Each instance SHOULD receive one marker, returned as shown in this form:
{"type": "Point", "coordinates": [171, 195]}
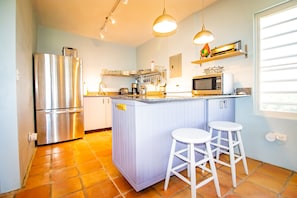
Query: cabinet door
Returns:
{"type": "Point", "coordinates": [101, 113]}
{"type": "Point", "coordinates": [108, 112]}
{"type": "Point", "coordinates": [221, 109]}
{"type": "Point", "coordinates": [93, 109]}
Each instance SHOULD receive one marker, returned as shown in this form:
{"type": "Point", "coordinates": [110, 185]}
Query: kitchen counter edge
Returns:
{"type": "Point", "coordinates": [159, 99]}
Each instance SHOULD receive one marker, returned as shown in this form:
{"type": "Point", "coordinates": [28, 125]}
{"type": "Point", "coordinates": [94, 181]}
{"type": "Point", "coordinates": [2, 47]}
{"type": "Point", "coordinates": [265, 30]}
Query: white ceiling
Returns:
{"type": "Point", "coordinates": [133, 21]}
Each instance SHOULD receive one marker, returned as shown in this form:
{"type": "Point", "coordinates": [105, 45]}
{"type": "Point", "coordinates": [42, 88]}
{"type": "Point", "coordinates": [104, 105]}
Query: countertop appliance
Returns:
{"type": "Point", "coordinates": [124, 91]}
{"type": "Point", "coordinates": [231, 47]}
{"type": "Point", "coordinates": [134, 88]}
{"type": "Point", "coordinates": [213, 84]}
{"type": "Point", "coordinates": [58, 93]}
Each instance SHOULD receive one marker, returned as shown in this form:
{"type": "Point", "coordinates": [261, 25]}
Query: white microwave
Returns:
{"type": "Point", "coordinates": [213, 84]}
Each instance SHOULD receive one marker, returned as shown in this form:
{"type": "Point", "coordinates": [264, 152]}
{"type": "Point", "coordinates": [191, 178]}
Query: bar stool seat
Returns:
{"type": "Point", "coordinates": [193, 138]}
{"type": "Point", "coordinates": [233, 141]}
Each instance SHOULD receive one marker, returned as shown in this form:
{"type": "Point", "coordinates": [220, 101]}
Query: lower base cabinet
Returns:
{"type": "Point", "coordinates": [97, 113]}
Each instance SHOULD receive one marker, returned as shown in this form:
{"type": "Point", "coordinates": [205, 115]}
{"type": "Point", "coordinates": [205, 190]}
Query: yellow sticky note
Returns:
{"type": "Point", "coordinates": [122, 107]}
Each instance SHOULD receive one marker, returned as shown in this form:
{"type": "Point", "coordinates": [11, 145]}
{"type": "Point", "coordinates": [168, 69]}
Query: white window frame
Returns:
{"type": "Point", "coordinates": [257, 94]}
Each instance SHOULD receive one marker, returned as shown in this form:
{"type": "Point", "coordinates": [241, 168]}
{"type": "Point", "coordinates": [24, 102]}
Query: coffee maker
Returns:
{"type": "Point", "coordinates": [134, 88]}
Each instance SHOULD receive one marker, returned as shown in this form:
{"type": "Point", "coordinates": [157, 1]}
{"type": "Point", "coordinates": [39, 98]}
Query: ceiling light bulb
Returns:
{"type": "Point", "coordinates": [164, 23]}
{"type": "Point", "coordinates": [101, 35]}
{"type": "Point", "coordinates": [112, 20]}
{"type": "Point", "coordinates": [125, 2]}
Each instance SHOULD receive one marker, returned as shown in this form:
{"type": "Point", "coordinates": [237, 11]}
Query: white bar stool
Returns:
{"type": "Point", "coordinates": [192, 136]}
{"type": "Point", "coordinates": [233, 141]}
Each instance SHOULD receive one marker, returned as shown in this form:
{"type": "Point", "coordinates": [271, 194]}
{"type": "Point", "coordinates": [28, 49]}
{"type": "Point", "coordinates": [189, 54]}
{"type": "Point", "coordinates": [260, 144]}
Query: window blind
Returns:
{"type": "Point", "coordinates": [277, 62]}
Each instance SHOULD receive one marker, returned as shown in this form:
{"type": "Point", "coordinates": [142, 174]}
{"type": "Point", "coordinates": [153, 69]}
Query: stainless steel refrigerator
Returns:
{"type": "Point", "coordinates": [58, 97]}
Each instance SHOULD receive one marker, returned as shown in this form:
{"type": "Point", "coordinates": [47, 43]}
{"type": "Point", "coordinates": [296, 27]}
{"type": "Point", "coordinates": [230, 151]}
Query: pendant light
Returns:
{"type": "Point", "coordinates": [164, 23]}
{"type": "Point", "coordinates": [204, 36]}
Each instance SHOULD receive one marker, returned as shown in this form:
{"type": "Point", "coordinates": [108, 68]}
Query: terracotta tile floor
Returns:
{"type": "Point", "coordinates": [83, 168]}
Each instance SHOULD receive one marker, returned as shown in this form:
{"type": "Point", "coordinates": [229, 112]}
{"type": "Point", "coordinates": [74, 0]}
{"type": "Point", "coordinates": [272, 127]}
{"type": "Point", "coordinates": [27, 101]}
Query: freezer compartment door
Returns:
{"type": "Point", "coordinates": [59, 125]}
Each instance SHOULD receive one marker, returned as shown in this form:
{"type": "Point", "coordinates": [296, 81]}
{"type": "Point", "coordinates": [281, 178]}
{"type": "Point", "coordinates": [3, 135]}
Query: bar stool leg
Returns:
{"type": "Point", "coordinates": [242, 153]}
{"type": "Point", "coordinates": [193, 171]}
{"type": "Point", "coordinates": [170, 162]}
{"type": "Point", "coordinates": [232, 158]}
{"type": "Point", "coordinates": [213, 169]}
{"type": "Point", "coordinates": [189, 157]}
{"type": "Point", "coordinates": [219, 143]}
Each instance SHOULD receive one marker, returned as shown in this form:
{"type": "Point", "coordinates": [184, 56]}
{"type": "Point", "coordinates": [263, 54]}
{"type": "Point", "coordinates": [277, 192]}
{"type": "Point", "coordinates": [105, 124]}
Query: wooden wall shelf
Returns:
{"type": "Point", "coordinates": [222, 56]}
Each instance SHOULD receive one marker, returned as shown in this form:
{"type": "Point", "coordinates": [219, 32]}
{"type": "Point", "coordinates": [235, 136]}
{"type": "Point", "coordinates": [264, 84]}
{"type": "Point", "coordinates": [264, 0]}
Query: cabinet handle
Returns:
{"type": "Point", "coordinates": [225, 104]}
{"type": "Point", "coordinates": [221, 104]}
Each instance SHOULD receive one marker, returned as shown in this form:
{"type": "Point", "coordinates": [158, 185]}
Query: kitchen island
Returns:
{"type": "Point", "coordinates": [142, 126]}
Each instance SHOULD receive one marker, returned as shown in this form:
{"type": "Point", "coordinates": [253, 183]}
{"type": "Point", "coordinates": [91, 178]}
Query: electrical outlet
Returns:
{"type": "Point", "coordinates": [32, 137]}
{"type": "Point", "coordinates": [281, 137]}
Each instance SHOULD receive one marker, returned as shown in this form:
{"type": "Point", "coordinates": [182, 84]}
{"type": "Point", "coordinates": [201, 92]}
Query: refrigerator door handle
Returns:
{"type": "Point", "coordinates": [77, 110]}
{"type": "Point", "coordinates": [61, 111]}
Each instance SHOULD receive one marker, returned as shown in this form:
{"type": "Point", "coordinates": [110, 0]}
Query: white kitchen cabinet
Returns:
{"type": "Point", "coordinates": [108, 112]}
{"type": "Point", "coordinates": [97, 113]}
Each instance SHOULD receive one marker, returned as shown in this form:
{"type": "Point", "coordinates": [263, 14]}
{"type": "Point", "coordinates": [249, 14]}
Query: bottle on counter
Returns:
{"type": "Point", "coordinates": [152, 65]}
{"type": "Point", "coordinates": [85, 89]}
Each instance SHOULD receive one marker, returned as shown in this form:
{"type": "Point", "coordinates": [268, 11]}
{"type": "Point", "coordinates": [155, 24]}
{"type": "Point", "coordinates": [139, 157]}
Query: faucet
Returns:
{"type": "Point", "coordinates": [101, 88]}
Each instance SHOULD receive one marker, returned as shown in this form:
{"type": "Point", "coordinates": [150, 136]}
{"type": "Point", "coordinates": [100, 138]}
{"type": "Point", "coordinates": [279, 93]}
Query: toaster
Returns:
{"type": "Point", "coordinates": [124, 91]}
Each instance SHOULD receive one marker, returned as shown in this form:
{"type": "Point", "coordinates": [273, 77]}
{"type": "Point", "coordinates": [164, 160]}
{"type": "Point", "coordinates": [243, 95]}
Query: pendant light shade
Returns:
{"type": "Point", "coordinates": [204, 36]}
{"type": "Point", "coordinates": [164, 23]}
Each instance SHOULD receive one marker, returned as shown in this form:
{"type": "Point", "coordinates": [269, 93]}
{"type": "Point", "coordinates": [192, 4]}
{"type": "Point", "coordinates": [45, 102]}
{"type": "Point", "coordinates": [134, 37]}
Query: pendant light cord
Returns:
{"type": "Point", "coordinates": [202, 13]}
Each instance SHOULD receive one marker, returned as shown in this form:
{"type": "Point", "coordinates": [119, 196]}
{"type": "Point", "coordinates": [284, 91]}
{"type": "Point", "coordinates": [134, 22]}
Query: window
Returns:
{"type": "Point", "coordinates": [276, 61]}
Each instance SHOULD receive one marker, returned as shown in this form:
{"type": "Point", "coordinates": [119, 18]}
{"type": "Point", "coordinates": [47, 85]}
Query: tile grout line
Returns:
{"type": "Point", "coordinates": [286, 184]}
{"type": "Point", "coordinates": [243, 180]}
{"type": "Point", "coordinates": [278, 194]}
{"type": "Point", "coordinates": [83, 188]}
{"type": "Point", "coordinates": [105, 170]}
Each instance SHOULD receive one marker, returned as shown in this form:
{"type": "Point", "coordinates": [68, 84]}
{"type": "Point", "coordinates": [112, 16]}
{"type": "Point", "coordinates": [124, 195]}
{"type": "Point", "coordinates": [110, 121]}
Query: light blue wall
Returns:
{"type": "Point", "coordinates": [9, 153]}
{"type": "Point", "coordinates": [96, 55]}
{"type": "Point", "coordinates": [25, 45]}
{"type": "Point", "coordinates": [229, 21]}
{"type": "Point", "coordinates": [16, 96]}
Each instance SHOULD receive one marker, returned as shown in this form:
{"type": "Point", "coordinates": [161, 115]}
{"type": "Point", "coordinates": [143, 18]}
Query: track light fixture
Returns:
{"type": "Point", "coordinates": [110, 18]}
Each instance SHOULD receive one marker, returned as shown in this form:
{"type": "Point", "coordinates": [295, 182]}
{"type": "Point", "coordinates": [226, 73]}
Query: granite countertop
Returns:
{"type": "Point", "coordinates": [171, 98]}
